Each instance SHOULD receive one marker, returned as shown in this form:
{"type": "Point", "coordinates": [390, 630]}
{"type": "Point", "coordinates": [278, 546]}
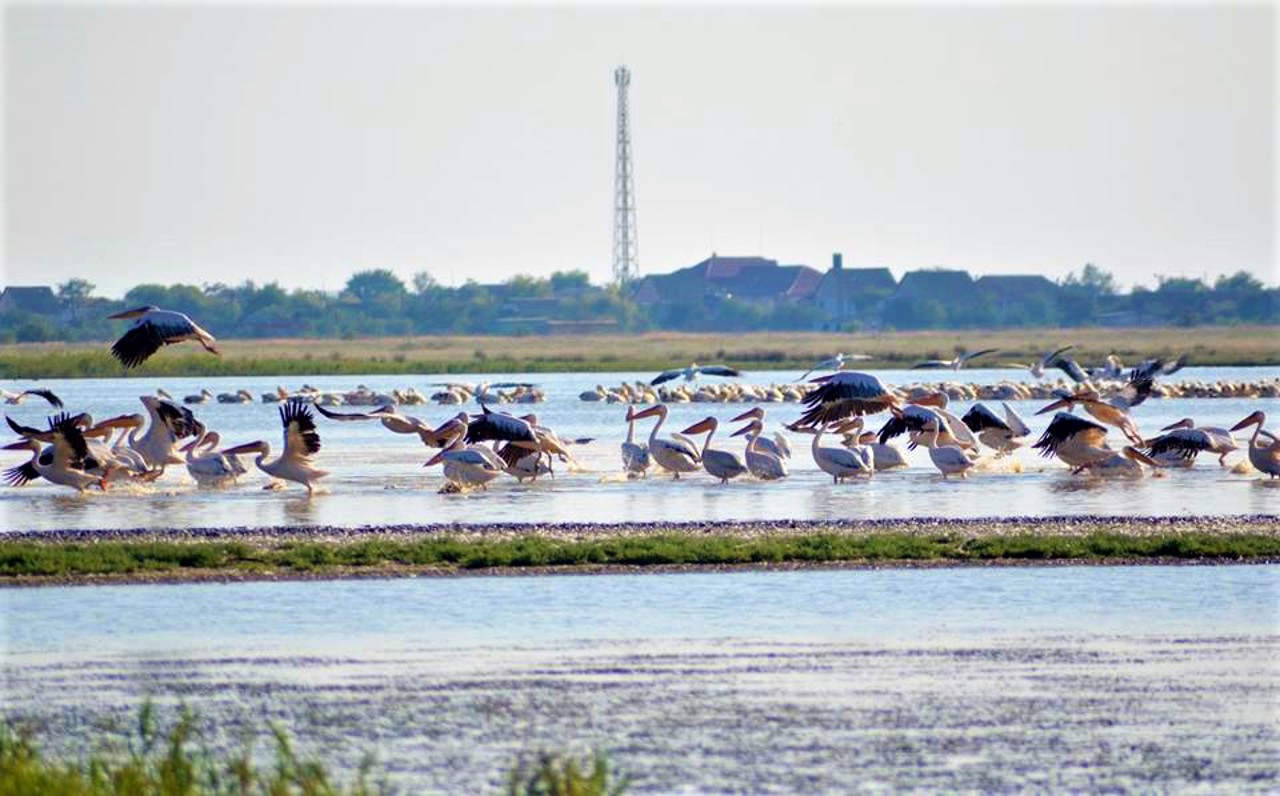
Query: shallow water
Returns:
{"type": "Point", "coordinates": [378, 478]}
{"type": "Point", "coordinates": [1062, 678]}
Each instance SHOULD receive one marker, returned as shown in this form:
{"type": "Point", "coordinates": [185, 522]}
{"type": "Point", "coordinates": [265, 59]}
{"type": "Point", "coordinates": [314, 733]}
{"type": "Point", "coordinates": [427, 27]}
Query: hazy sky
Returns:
{"type": "Point", "coordinates": [302, 142]}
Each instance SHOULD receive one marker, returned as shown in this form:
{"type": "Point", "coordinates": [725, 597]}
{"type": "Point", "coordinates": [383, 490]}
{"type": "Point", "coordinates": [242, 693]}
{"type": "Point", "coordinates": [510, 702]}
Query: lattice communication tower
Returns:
{"type": "Point", "coordinates": [626, 247]}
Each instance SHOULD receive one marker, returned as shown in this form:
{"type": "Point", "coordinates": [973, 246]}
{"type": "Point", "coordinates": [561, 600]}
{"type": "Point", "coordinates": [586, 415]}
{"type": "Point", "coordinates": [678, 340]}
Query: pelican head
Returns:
{"type": "Point", "coordinates": [1185, 422]}
{"type": "Point", "coordinates": [1133, 454]}
{"type": "Point", "coordinates": [755, 426]}
{"type": "Point", "coordinates": [703, 425]}
{"type": "Point", "coordinates": [1257, 417]}
{"type": "Point", "coordinates": [936, 398]}
{"type": "Point", "coordinates": [135, 313]}
{"type": "Point", "coordinates": [754, 412]}
{"type": "Point", "coordinates": [1058, 404]}
{"type": "Point", "coordinates": [658, 410]}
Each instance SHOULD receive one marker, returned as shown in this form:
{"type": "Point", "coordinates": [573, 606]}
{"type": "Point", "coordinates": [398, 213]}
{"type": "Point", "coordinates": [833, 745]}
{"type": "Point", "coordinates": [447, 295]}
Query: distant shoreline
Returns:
{"type": "Point", "coordinates": [651, 352]}
{"type": "Point", "coordinates": [86, 557]}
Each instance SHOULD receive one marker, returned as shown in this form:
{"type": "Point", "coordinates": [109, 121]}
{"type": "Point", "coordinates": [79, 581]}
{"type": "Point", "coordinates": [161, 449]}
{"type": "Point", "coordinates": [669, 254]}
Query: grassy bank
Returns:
{"type": "Point", "coordinates": [787, 351]}
{"type": "Point", "coordinates": [178, 762]}
{"type": "Point", "coordinates": [23, 560]}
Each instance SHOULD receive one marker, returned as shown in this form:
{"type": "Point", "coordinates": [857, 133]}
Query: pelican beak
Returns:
{"type": "Point", "coordinates": [434, 460]}
{"type": "Point", "coordinates": [742, 432]}
{"type": "Point", "coordinates": [754, 412]}
{"type": "Point", "coordinates": [699, 427]}
{"type": "Point", "coordinates": [1138, 456]}
{"type": "Point", "coordinates": [1183, 423]}
{"type": "Point", "coordinates": [1248, 421]}
{"type": "Point", "coordinates": [249, 447]}
{"type": "Point", "coordinates": [929, 399]}
{"type": "Point", "coordinates": [187, 448]}
{"type": "Point", "coordinates": [650, 412]}
{"type": "Point", "coordinates": [1055, 405]}
{"type": "Point", "coordinates": [18, 446]}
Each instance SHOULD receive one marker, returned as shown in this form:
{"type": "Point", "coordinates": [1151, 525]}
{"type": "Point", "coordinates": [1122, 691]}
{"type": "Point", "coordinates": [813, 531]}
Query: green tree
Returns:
{"type": "Point", "coordinates": [376, 286]}
{"type": "Point", "coordinates": [75, 293]}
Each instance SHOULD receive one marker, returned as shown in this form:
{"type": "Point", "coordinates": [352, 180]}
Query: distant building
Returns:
{"type": "Point", "coordinates": [853, 294]}
{"type": "Point", "coordinates": [937, 284]}
{"type": "Point", "coordinates": [1018, 294]}
{"type": "Point", "coordinates": [38, 299]}
{"type": "Point", "coordinates": [756, 280]}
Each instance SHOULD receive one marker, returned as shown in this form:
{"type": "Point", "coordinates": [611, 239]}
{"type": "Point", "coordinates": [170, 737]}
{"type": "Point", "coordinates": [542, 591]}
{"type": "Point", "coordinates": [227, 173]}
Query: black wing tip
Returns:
{"type": "Point", "coordinates": [21, 475]}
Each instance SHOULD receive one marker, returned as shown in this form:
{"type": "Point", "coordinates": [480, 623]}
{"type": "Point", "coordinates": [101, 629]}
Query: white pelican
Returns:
{"type": "Point", "coordinates": [676, 454]}
{"type": "Point", "coordinates": [19, 397]}
{"type": "Point", "coordinates": [777, 444]}
{"type": "Point", "coordinates": [883, 455]}
{"type": "Point", "coordinates": [953, 364]}
{"type": "Point", "coordinates": [237, 397]}
{"type": "Point", "coordinates": [836, 362]}
{"type": "Point", "coordinates": [63, 462]}
{"type": "Point", "coordinates": [301, 442]}
{"type": "Point", "coordinates": [691, 372]}
{"type": "Point", "coordinates": [961, 436]}
{"type": "Point", "coordinates": [914, 419]}
{"type": "Point", "coordinates": [851, 432]}
{"type": "Point", "coordinates": [1076, 441]}
{"type": "Point", "coordinates": [202, 397]}
{"type": "Point", "coordinates": [1048, 359]}
{"type": "Point", "coordinates": [635, 457]}
{"type": "Point", "coordinates": [839, 463]}
{"type": "Point", "coordinates": [154, 328]}
{"type": "Point", "coordinates": [1187, 439]}
{"type": "Point", "coordinates": [949, 459]}
{"type": "Point", "coordinates": [1264, 456]}
{"type": "Point", "coordinates": [1005, 434]}
{"type": "Point", "coordinates": [842, 395]}
{"type": "Point", "coordinates": [211, 469]}
{"type": "Point", "coordinates": [1127, 463]}
{"type": "Point", "coordinates": [763, 463]}
{"type": "Point", "coordinates": [394, 421]}
{"type": "Point", "coordinates": [468, 465]}
{"type": "Point", "coordinates": [1113, 412]}
{"type": "Point", "coordinates": [721, 464]}
{"type": "Point", "coordinates": [169, 423]}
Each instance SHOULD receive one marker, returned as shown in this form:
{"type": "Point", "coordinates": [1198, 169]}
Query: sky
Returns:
{"type": "Point", "coordinates": [299, 143]}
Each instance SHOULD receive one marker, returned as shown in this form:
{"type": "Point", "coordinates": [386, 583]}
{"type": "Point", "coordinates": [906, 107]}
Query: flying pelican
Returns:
{"type": "Point", "coordinates": [842, 395]}
{"type": "Point", "coordinates": [676, 454]}
{"type": "Point", "coordinates": [154, 328]}
{"type": "Point", "coordinates": [777, 444]}
{"type": "Point", "coordinates": [63, 462]}
{"type": "Point", "coordinates": [1078, 442]}
{"type": "Point", "coordinates": [690, 373]}
{"type": "Point", "coordinates": [836, 362]}
{"type": "Point", "coordinates": [394, 421]}
{"type": "Point", "coordinates": [1115, 410]}
{"type": "Point", "coordinates": [635, 457]}
{"type": "Point", "coordinates": [17, 398]}
{"type": "Point", "coordinates": [301, 443]}
{"type": "Point", "coordinates": [839, 463]}
{"type": "Point", "coordinates": [211, 469]}
{"type": "Point", "coordinates": [1048, 359]}
{"type": "Point", "coordinates": [1005, 434]}
{"type": "Point", "coordinates": [169, 423]}
{"type": "Point", "coordinates": [949, 459]}
{"type": "Point", "coordinates": [719, 463]}
{"type": "Point", "coordinates": [763, 463]}
{"type": "Point", "coordinates": [953, 364]}
{"type": "Point", "coordinates": [1185, 439]}
{"type": "Point", "coordinates": [1265, 456]}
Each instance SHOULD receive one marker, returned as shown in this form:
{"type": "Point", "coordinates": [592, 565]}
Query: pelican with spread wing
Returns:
{"type": "Point", "coordinates": [154, 328]}
{"type": "Point", "coordinates": [301, 444]}
{"type": "Point", "coordinates": [690, 373]}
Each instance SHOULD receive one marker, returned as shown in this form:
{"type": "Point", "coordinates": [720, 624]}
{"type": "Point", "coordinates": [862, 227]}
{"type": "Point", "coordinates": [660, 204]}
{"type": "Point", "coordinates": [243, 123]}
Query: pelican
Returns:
{"type": "Point", "coordinates": [1076, 441]}
{"type": "Point", "coordinates": [211, 469]}
{"type": "Point", "coordinates": [765, 464]}
{"type": "Point", "coordinates": [1003, 434]}
{"type": "Point", "coordinates": [1186, 439]}
{"type": "Point", "coordinates": [635, 457]}
{"type": "Point", "coordinates": [676, 454]}
{"type": "Point", "coordinates": [47, 395]}
{"type": "Point", "coordinates": [169, 423]}
{"type": "Point", "coordinates": [203, 397]}
{"type": "Point", "coordinates": [777, 444]}
{"type": "Point", "coordinates": [839, 463]}
{"type": "Point", "coordinates": [949, 459]}
{"type": "Point", "coordinates": [394, 421]}
{"type": "Point", "coordinates": [301, 442]}
{"type": "Point", "coordinates": [842, 395]}
{"type": "Point", "coordinates": [953, 364]}
{"type": "Point", "coordinates": [836, 362]}
{"type": "Point", "coordinates": [690, 373]}
{"type": "Point", "coordinates": [468, 465]}
{"type": "Point", "coordinates": [63, 462]}
{"type": "Point", "coordinates": [721, 464]}
{"type": "Point", "coordinates": [237, 397]}
{"type": "Point", "coordinates": [1113, 412]}
{"type": "Point", "coordinates": [883, 455]}
{"type": "Point", "coordinates": [1265, 456]}
{"type": "Point", "coordinates": [915, 419]}
{"type": "Point", "coordinates": [1047, 360]}
{"type": "Point", "coordinates": [154, 328]}
{"type": "Point", "coordinates": [1127, 463]}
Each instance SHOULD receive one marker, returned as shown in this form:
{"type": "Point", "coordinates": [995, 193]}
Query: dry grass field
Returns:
{"type": "Point", "coordinates": [1241, 345]}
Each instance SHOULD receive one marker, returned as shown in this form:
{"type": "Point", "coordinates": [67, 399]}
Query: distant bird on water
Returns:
{"type": "Point", "coordinates": [690, 373]}
{"type": "Point", "coordinates": [154, 328]}
{"type": "Point", "coordinates": [953, 364]}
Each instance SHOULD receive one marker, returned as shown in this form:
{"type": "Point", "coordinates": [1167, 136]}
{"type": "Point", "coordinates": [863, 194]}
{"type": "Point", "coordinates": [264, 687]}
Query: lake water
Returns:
{"type": "Point", "coordinates": [378, 476]}
{"type": "Point", "coordinates": [1065, 678]}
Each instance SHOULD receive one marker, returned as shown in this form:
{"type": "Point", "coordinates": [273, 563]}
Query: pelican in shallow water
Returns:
{"type": "Point", "coordinates": [1184, 440]}
{"type": "Point", "coordinates": [1264, 455]}
{"type": "Point", "coordinates": [839, 463]}
{"type": "Point", "coordinates": [301, 443]}
{"type": "Point", "coordinates": [676, 454]}
{"type": "Point", "coordinates": [210, 468]}
{"type": "Point", "coordinates": [635, 457]}
{"type": "Point", "coordinates": [65, 459]}
{"type": "Point", "coordinates": [763, 462]}
{"type": "Point", "coordinates": [721, 464]}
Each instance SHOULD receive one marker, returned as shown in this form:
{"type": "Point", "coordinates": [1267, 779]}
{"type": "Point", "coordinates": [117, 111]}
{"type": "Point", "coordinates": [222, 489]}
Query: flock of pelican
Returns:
{"type": "Point", "coordinates": [475, 449]}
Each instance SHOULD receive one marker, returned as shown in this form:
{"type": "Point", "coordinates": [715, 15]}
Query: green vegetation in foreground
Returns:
{"type": "Point", "coordinates": [69, 559]}
{"type": "Point", "coordinates": [790, 352]}
{"type": "Point", "coordinates": [179, 763]}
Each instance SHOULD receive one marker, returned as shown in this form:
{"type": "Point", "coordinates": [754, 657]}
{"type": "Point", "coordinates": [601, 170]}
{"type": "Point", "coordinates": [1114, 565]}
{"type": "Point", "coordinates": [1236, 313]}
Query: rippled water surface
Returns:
{"type": "Point", "coordinates": [378, 478]}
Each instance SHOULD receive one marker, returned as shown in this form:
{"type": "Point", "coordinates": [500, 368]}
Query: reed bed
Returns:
{"type": "Point", "coordinates": [1242, 345]}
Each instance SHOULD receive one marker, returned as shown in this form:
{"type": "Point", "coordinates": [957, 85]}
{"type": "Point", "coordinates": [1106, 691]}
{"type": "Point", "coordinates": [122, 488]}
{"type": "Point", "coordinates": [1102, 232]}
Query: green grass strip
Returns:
{"type": "Point", "coordinates": [29, 558]}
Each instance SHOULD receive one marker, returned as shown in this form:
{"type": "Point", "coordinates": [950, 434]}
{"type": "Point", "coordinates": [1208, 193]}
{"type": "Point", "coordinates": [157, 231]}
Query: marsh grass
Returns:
{"type": "Point", "coordinates": [555, 774]}
{"type": "Point", "coordinates": [1237, 345]}
{"type": "Point", "coordinates": [176, 762]}
{"type": "Point", "coordinates": [71, 560]}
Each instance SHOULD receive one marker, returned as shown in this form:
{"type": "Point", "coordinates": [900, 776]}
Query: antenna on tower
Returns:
{"type": "Point", "coordinates": [626, 247]}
